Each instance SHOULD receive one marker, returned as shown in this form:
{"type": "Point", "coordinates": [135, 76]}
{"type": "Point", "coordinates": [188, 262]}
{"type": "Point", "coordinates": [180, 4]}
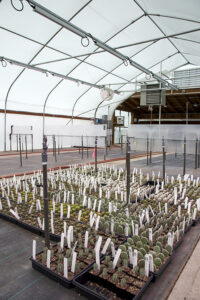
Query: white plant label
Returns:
{"type": "Point", "coordinates": [136, 229]}
{"type": "Point", "coordinates": [166, 210]}
{"type": "Point", "coordinates": [97, 223]}
{"type": "Point", "coordinates": [112, 226]}
{"type": "Point", "coordinates": [150, 234]}
{"type": "Point", "coordinates": [179, 211]}
{"type": "Point", "coordinates": [105, 247]}
{"type": "Point", "coordinates": [117, 255]}
{"type": "Point", "coordinates": [151, 263]}
{"type": "Point", "coordinates": [130, 252]}
{"type": "Point", "coordinates": [48, 258]}
{"type": "Point", "coordinates": [39, 222]}
{"type": "Point", "coordinates": [73, 261]}
{"type": "Point", "coordinates": [95, 203]}
{"type": "Point", "coordinates": [99, 206]}
{"type": "Point", "coordinates": [65, 267]}
{"type": "Point", "coordinates": [126, 229]}
{"type": "Point", "coordinates": [34, 249]}
{"type": "Point", "coordinates": [146, 267]}
{"type": "Point", "coordinates": [133, 227]}
{"type": "Point", "coordinates": [98, 243]}
{"type": "Point", "coordinates": [194, 214]}
{"type": "Point", "coordinates": [62, 240]}
{"type": "Point", "coordinates": [61, 211]}
{"type": "Point", "coordinates": [112, 249]}
{"type": "Point", "coordinates": [65, 229]}
{"type": "Point", "coordinates": [86, 239]}
{"type": "Point", "coordinates": [186, 203]}
{"type": "Point", "coordinates": [1, 205]}
{"type": "Point", "coordinates": [135, 258]}
{"type": "Point", "coordinates": [68, 211]}
{"type": "Point", "coordinates": [109, 207]}
{"type": "Point", "coordinates": [79, 215]}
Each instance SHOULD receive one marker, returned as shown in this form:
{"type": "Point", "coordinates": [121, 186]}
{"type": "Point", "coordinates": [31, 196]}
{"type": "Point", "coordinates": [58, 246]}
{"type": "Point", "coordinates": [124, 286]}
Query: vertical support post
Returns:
{"type": "Point", "coordinates": [58, 145]}
{"type": "Point", "coordinates": [105, 150]}
{"type": "Point", "coordinates": [55, 149]}
{"type": "Point", "coordinates": [121, 143]}
{"type": "Point", "coordinates": [147, 151]}
{"type": "Point", "coordinates": [186, 117]}
{"type": "Point", "coordinates": [82, 146]}
{"type": "Point", "coordinates": [32, 142]}
{"type": "Point", "coordinates": [184, 156]}
{"type": "Point", "coordinates": [26, 146]}
{"type": "Point", "coordinates": [17, 142]}
{"type": "Point", "coordinates": [87, 145]}
{"type": "Point", "coordinates": [163, 149]}
{"type": "Point", "coordinates": [96, 154]}
{"type": "Point", "coordinates": [196, 157]}
{"type": "Point", "coordinates": [150, 151]}
{"type": "Point", "coordinates": [45, 192]}
{"type": "Point", "coordinates": [128, 167]}
{"type": "Point", "coordinates": [20, 151]}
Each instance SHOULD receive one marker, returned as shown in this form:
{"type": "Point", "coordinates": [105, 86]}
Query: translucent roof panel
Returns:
{"type": "Point", "coordinates": [131, 27]}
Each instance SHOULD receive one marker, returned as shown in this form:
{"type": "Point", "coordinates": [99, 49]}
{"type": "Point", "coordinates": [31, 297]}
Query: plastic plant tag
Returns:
{"type": "Point", "coordinates": [151, 263]}
{"type": "Point", "coordinates": [65, 196]}
{"type": "Point", "coordinates": [105, 247]}
{"type": "Point", "coordinates": [97, 223]}
{"type": "Point", "coordinates": [48, 258]}
{"type": "Point", "coordinates": [183, 225]}
{"type": "Point", "coordinates": [43, 226]}
{"type": "Point", "coordinates": [73, 199]}
{"type": "Point", "coordinates": [130, 252]}
{"type": "Point", "coordinates": [146, 267]}
{"type": "Point", "coordinates": [39, 222]}
{"type": "Point", "coordinates": [126, 229]}
{"type": "Point", "coordinates": [98, 243]}
{"type": "Point", "coordinates": [133, 228]}
{"type": "Point", "coordinates": [100, 193]}
{"type": "Point", "coordinates": [136, 229]}
{"type": "Point", "coordinates": [198, 204]}
{"type": "Point", "coordinates": [68, 211]}
{"type": "Point", "coordinates": [61, 211]}
{"type": "Point", "coordinates": [135, 257]}
{"type": "Point", "coordinates": [34, 249]}
{"type": "Point", "coordinates": [65, 229]}
{"type": "Point", "coordinates": [117, 255]}
{"type": "Point", "coordinates": [79, 215]}
{"type": "Point", "coordinates": [150, 234]}
{"type": "Point", "coordinates": [89, 203]}
{"type": "Point", "coordinates": [62, 237]}
{"type": "Point", "coordinates": [122, 196]}
{"type": "Point", "coordinates": [99, 206]}
{"type": "Point", "coordinates": [97, 256]}
{"type": "Point", "coordinates": [166, 210]}
{"type": "Point", "coordinates": [86, 239]}
{"type": "Point", "coordinates": [65, 267]}
{"type": "Point", "coordinates": [194, 214]}
{"type": "Point", "coordinates": [179, 211]}
{"type": "Point", "coordinates": [186, 202]}
{"type": "Point", "coordinates": [112, 249]}
{"type": "Point", "coordinates": [109, 207]}
{"type": "Point", "coordinates": [73, 262]}
{"type": "Point", "coordinates": [189, 207]}
{"type": "Point", "coordinates": [14, 214]}
{"type": "Point", "coordinates": [1, 205]}
{"type": "Point", "coordinates": [95, 203]}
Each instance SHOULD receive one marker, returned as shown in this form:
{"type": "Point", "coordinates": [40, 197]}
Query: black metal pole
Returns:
{"type": "Point", "coordinates": [82, 147]}
{"type": "Point", "coordinates": [147, 151]}
{"type": "Point", "coordinates": [105, 151]}
{"type": "Point", "coordinates": [121, 143]}
{"type": "Point", "coordinates": [184, 157]}
{"type": "Point", "coordinates": [196, 157]}
{"type": "Point", "coordinates": [17, 142]}
{"type": "Point", "coordinates": [150, 152]}
{"type": "Point", "coordinates": [96, 154]}
{"type": "Point", "coordinates": [45, 192]}
{"type": "Point", "coordinates": [10, 137]}
{"type": "Point", "coordinates": [20, 151]}
{"type": "Point", "coordinates": [128, 167]}
{"type": "Point", "coordinates": [26, 146]}
{"type": "Point", "coordinates": [55, 149]}
{"type": "Point", "coordinates": [163, 148]}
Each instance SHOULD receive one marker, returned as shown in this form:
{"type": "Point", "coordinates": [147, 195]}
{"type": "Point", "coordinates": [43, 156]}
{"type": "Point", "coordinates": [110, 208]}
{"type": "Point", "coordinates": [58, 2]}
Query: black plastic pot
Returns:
{"type": "Point", "coordinates": [157, 274]}
{"type": "Point", "coordinates": [81, 280]}
{"type": "Point", "coordinates": [22, 224]}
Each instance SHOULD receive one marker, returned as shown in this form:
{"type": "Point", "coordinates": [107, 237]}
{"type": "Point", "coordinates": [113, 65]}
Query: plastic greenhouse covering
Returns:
{"type": "Point", "coordinates": [138, 29]}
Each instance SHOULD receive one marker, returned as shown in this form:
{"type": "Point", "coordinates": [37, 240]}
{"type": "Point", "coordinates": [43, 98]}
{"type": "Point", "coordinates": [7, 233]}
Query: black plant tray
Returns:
{"type": "Point", "coordinates": [179, 242]}
{"type": "Point", "coordinates": [81, 280]}
{"type": "Point", "coordinates": [157, 274]}
{"type": "Point", "coordinates": [194, 223]}
{"type": "Point", "coordinates": [53, 275]}
{"type": "Point", "coordinates": [189, 226]}
{"type": "Point", "coordinates": [22, 224]}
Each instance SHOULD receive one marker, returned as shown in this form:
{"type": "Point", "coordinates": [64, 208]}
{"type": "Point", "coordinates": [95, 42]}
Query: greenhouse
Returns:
{"type": "Point", "coordinates": [100, 149]}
